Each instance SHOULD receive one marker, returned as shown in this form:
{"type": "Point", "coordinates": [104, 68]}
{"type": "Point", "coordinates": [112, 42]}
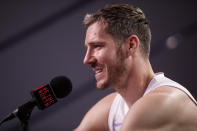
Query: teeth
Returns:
{"type": "Point", "coordinates": [98, 71]}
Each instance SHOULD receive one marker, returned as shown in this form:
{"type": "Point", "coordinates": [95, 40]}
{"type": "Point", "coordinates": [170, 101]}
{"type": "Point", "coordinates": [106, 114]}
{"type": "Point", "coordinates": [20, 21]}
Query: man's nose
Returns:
{"type": "Point", "coordinates": [89, 58]}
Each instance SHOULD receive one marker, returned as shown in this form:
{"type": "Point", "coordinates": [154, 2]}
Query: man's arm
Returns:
{"type": "Point", "coordinates": [160, 110]}
{"type": "Point", "coordinates": [97, 117]}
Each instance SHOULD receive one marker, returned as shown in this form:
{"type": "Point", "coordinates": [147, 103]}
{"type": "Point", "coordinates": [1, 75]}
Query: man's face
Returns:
{"type": "Point", "coordinates": [104, 56]}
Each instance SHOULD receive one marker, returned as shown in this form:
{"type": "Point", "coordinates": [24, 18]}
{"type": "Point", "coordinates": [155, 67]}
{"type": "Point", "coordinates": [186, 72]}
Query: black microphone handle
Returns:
{"type": "Point", "coordinates": [9, 116]}
{"type": "Point", "coordinates": [22, 112]}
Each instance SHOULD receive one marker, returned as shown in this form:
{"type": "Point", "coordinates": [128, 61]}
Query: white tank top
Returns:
{"type": "Point", "coordinates": [119, 107]}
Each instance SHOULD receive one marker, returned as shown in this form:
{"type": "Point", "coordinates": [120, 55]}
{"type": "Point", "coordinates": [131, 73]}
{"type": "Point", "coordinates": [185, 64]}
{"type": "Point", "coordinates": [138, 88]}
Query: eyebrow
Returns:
{"type": "Point", "coordinates": [94, 43]}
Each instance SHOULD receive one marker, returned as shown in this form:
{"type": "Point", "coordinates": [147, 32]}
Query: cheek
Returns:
{"type": "Point", "coordinates": [109, 59]}
{"type": "Point", "coordinates": [106, 57]}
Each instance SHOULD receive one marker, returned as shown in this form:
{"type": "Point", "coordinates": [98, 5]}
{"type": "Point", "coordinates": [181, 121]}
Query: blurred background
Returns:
{"type": "Point", "coordinates": [43, 39]}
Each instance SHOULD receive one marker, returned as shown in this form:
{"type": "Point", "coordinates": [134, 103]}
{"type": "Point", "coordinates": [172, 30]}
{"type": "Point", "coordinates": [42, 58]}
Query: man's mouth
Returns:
{"type": "Point", "coordinates": [98, 72]}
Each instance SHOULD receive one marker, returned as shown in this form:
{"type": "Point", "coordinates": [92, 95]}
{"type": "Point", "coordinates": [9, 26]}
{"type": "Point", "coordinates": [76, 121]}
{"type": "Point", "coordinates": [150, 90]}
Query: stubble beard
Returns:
{"type": "Point", "coordinates": [115, 73]}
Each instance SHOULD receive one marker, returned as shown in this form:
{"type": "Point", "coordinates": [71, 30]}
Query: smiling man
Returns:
{"type": "Point", "coordinates": [118, 46]}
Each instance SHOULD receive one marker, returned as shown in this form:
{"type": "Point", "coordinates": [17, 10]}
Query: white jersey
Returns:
{"type": "Point", "coordinates": [119, 107]}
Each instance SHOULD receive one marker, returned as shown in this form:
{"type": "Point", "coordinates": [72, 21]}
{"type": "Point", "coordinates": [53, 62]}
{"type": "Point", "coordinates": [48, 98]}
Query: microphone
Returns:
{"type": "Point", "coordinates": [43, 97]}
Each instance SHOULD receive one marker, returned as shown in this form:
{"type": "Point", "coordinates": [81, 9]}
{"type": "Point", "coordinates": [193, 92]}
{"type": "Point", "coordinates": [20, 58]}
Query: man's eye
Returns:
{"type": "Point", "coordinates": [97, 46]}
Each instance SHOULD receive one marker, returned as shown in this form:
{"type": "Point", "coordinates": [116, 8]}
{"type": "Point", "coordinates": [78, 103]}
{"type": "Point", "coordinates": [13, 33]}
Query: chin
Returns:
{"type": "Point", "coordinates": [99, 86]}
{"type": "Point", "coordinates": [102, 85]}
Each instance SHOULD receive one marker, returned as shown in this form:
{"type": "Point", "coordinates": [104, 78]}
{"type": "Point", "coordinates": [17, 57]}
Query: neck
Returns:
{"type": "Point", "coordinates": [139, 77]}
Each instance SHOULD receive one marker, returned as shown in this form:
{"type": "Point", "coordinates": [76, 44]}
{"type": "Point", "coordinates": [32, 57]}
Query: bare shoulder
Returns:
{"type": "Point", "coordinates": [165, 108]}
{"type": "Point", "coordinates": [96, 119]}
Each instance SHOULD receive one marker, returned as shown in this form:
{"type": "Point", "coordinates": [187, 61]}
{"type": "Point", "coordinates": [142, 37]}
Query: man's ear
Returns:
{"type": "Point", "coordinates": [132, 44]}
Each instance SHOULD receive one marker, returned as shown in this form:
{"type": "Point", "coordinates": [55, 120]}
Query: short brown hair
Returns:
{"type": "Point", "coordinates": [122, 21]}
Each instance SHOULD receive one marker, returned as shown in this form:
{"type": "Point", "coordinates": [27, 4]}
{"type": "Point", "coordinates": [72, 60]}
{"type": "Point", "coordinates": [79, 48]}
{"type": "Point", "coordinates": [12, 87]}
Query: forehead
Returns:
{"type": "Point", "coordinates": [96, 33]}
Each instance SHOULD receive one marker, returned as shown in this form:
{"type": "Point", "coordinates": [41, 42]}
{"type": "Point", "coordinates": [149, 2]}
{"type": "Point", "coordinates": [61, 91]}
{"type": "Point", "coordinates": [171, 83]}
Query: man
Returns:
{"type": "Point", "coordinates": [118, 45]}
